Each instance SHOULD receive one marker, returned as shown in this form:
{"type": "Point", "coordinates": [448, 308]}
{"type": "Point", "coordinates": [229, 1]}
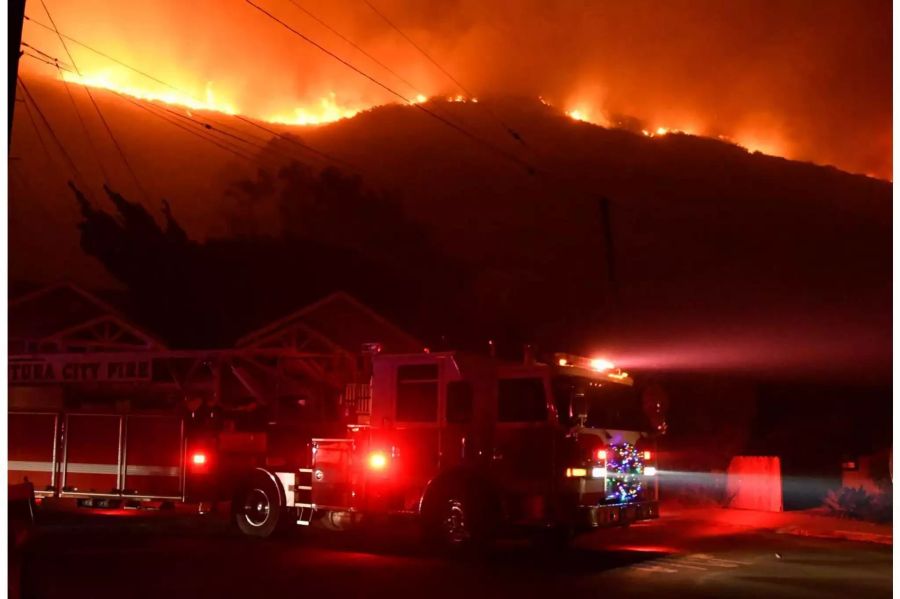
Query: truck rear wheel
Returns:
{"type": "Point", "coordinates": [457, 516]}
{"type": "Point", "coordinates": [257, 507]}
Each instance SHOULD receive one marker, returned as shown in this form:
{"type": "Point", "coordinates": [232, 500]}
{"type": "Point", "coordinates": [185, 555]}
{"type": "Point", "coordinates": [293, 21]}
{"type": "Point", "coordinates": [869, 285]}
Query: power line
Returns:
{"type": "Point", "coordinates": [509, 156]}
{"type": "Point", "coordinates": [37, 131]}
{"type": "Point", "coordinates": [239, 151]}
{"type": "Point", "coordinates": [321, 22]}
{"type": "Point", "coordinates": [512, 132]}
{"type": "Point", "coordinates": [84, 127]}
{"type": "Point", "coordinates": [174, 123]}
{"type": "Point", "coordinates": [419, 48]}
{"type": "Point", "coordinates": [355, 46]}
{"type": "Point", "coordinates": [96, 107]}
{"type": "Point", "coordinates": [29, 191]}
{"type": "Point", "coordinates": [39, 58]}
{"type": "Point", "coordinates": [53, 60]}
{"type": "Point", "coordinates": [208, 127]}
{"type": "Point", "coordinates": [288, 138]}
{"type": "Point", "coordinates": [49, 127]}
{"type": "Point", "coordinates": [56, 63]}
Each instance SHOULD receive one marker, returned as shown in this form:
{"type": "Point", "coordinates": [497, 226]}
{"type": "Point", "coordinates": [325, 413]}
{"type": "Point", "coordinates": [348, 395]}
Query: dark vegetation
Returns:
{"type": "Point", "coordinates": [860, 504]}
{"type": "Point", "coordinates": [335, 236]}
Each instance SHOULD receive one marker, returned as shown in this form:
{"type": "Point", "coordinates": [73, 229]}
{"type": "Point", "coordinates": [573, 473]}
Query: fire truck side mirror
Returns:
{"type": "Point", "coordinates": [580, 406]}
{"type": "Point", "coordinates": [655, 403]}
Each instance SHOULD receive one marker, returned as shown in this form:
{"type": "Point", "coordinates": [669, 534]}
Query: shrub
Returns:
{"type": "Point", "coordinates": [859, 504]}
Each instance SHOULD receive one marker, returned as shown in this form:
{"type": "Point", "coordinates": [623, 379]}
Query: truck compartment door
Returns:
{"type": "Point", "coordinates": [32, 450]}
{"type": "Point", "coordinates": [332, 473]}
{"type": "Point", "coordinates": [93, 448]}
{"type": "Point", "coordinates": [153, 456]}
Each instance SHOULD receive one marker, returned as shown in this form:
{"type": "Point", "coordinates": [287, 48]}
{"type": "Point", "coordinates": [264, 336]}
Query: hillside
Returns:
{"type": "Point", "coordinates": [721, 258]}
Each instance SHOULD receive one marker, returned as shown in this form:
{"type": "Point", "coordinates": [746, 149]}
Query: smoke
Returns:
{"type": "Point", "coordinates": [804, 80]}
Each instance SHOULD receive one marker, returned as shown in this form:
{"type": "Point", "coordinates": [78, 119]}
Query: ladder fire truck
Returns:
{"type": "Point", "coordinates": [290, 427]}
{"type": "Point", "coordinates": [470, 445]}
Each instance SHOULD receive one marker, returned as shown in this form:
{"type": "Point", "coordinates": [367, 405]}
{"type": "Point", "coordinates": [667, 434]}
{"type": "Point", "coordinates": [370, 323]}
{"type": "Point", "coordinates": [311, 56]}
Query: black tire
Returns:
{"type": "Point", "coordinates": [257, 506]}
{"type": "Point", "coordinates": [337, 521]}
{"type": "Point", "coordinates": [459, 516]}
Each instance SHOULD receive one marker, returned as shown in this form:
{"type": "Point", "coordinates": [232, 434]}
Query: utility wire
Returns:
{"type": "Point", "coordinates": [321, 22]}
{"type": "Point", "coordinates": [175, 123]}
{"type": "Point", "coordinates": [288, 138]}
{"type": "Point", "coordinates": [29, 191]}
{"type": "Point", "coordinates": [54, 62]}
{"type": "Point", "coordinates": [40, 137]}
{"type": "Point", "coordinates": [208, 130]}
{"type": "Point", "coordinates": [206, 127]}
{"type": "Point", "coordinates": [262, 147]}
{"type": "Point", "coordinates": [512, 132]}
{"type": "Point", "coordinates": [96, 107]}
{"type": "Point", "coordinates": [53, 135]}
{"type": "Point", "coordinates": [84, 127]}
{"type": "Point", "coordinates": [39, 58]}
{"type": "Point", "coordinates": [419, 48]}
{"type": "Point", "coordinates": [509, 156]}
{"type": "Point", "coordinates": [355, 46]}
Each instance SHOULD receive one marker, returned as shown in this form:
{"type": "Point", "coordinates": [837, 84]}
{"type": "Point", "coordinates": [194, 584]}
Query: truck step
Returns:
{"type": "Point", "coordinates": [305, 514]}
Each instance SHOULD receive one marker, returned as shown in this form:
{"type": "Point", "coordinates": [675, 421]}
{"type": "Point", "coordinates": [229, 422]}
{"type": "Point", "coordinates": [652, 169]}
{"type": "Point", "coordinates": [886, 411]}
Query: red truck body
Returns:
{"type": "Point", "coordinates": [469, 444]}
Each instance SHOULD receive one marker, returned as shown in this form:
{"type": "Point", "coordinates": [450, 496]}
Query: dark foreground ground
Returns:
{"type": "Point", "coordinates": [673, 557]}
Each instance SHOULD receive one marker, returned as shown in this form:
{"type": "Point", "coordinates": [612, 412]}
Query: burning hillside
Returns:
{"type": "Point", "coordinates": [293, 62]}
{"type": "Point", "coordinates": [740, 250]}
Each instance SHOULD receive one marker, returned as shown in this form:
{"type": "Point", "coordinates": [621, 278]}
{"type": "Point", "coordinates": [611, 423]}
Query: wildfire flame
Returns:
{"type": "Point", "coordinates": [328, 109]}
{"type": "Point", "coordinates": [112, 81]}
{"type": "Point", "coordinates": [752, 141]}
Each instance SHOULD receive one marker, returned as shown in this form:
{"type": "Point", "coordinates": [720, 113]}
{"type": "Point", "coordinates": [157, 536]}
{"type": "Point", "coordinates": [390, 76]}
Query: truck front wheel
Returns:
{"type": "Point", "coordinates": [257, 507]}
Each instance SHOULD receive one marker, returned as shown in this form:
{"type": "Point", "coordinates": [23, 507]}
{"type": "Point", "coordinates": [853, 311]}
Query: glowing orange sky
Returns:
{"type": "Point", "coordinates": [804, 80]}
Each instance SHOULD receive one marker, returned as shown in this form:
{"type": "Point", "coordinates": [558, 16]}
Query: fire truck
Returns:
{"type": "Point", "coordinates": [471, 445]}
{"type": "Point", "coordinates": [302, 424]}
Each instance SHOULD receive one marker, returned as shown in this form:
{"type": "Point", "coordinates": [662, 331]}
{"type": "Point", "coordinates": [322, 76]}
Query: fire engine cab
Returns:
{"type": "Point", "coordinates": [473, 446]}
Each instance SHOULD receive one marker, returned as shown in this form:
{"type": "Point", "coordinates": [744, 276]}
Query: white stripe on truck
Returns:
{"type": "Point", "coordinates": [31, 466]}
{"type": "Point", "coordinates": [77, 468]}
{"type": "Point", "coordinates": [152, 471]}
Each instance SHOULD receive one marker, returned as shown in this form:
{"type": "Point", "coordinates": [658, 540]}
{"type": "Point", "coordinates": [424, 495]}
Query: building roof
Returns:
{"type": "Point", "coordinates": [343, 321]}
{"type": "Point", "coordinates": [62, 316]}
{"type": "Point", "coordinates": [64, 312]}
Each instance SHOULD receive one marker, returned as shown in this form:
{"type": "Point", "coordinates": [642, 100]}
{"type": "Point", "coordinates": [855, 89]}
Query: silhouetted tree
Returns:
{"type": "Point", "coordinates": [335, 235]}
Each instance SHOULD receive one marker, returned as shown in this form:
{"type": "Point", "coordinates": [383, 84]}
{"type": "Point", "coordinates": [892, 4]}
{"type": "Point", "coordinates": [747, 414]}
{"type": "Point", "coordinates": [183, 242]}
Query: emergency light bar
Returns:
{"type": "Point", "coordinates": [598, 365]}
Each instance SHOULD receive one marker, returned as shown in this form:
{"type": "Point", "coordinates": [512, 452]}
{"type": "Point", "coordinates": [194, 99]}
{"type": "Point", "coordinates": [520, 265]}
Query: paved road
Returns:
{"type": "Point", "coordinates": [667, 558]}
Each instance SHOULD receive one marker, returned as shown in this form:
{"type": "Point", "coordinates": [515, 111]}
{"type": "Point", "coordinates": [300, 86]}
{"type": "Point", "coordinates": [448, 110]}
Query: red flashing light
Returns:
{"type": "Point", "coordinates": [198, 459]}
{"type": "Point", "coordinates": [647, 455]}
{"type": "Point", "coordinates": [377, 461]}
{"type": "Point", "coordinates": [601, 455]}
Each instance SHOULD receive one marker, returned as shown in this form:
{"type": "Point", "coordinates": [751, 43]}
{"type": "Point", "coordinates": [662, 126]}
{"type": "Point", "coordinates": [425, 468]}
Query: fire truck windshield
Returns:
{"type": "Point", "coordinates": [606, 405]}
